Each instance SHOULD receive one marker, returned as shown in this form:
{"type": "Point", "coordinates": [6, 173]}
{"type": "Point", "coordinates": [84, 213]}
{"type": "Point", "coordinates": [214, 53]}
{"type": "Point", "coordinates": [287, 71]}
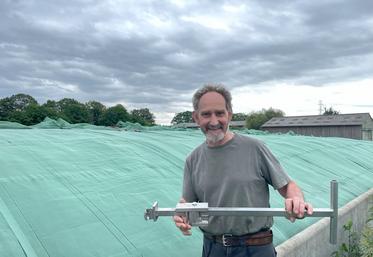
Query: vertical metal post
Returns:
{"type": "Point", "coordinates": [334, 207]}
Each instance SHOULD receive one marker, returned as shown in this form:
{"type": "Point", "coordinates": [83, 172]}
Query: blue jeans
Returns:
{"type": "Point", "coordinates": [215, 249]}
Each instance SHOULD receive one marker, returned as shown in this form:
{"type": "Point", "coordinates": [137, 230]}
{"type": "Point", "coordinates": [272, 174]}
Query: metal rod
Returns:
{"type": "Point", "coordinates": [334, 207]}
{"type": "Point", "coordinates": [227, 211]}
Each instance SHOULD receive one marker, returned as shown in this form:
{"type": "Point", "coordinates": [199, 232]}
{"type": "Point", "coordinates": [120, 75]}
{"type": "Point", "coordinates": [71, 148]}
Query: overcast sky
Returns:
{"type": "Point", "coordinates": [154, 54]}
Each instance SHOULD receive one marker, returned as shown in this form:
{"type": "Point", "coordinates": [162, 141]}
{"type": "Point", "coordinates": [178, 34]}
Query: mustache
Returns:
{"type": "Point", "coordinates": [218, 126]}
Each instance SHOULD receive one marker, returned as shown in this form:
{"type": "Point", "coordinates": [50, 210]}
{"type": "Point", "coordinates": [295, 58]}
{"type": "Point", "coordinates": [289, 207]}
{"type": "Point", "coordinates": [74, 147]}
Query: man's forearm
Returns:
{"type": "Point", "coordinates": [291, 190]}
{"type": "Point", "coordinates": [294, 201]}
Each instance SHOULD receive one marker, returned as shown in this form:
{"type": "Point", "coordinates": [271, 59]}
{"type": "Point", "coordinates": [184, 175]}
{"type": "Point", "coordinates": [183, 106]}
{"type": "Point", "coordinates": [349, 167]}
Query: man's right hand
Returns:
{"type": "Point", "coordinates": [182, 223]}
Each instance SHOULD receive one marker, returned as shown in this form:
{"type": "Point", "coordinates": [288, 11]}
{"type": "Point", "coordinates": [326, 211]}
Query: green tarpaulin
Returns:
{"type": "Point", "coordinates": [82, 192]}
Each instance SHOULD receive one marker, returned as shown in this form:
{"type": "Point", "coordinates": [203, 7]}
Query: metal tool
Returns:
{"type": "Point", "coordinates": [198, 213]}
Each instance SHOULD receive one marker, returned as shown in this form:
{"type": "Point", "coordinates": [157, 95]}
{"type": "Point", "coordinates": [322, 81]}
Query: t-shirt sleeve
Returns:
{"type": "Point", "coordinates": [188, 192]}
{"type": "Point", "coordinates": [271, 168]}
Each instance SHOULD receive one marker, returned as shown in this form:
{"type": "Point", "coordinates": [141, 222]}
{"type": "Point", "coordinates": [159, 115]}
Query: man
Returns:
{"type": "Point", "coordinates": [232, 170]}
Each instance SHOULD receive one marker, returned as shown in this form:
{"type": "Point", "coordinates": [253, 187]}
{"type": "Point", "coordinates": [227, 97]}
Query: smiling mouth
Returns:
{"type": "Point", "coordinates": [214, 131]}
{"type": "Point", "coordinates": [214, 127]}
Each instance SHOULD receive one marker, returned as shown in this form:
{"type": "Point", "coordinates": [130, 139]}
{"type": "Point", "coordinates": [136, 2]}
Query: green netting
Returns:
{"type": "Point", "coordinates": [137, 127]}
{"type": "Point", "coordinates": [130, 126]}
{"type": "Point", "coordinates": [12, 125]}
{"type": "Point", "coordinates": [49, 123]}
{"type": "Point", "coordinates": [83, 192]}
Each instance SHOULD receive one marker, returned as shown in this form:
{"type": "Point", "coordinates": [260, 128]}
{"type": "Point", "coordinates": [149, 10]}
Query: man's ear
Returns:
{"type": "Point", "coordinates": [195, 117]}
{"type": "Point", "coordinates": [230, 115]}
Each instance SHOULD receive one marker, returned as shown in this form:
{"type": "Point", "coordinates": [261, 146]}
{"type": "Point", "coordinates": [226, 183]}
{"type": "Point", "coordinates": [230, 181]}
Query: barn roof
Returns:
{"type": "Point", "coordinates": [319, 120]}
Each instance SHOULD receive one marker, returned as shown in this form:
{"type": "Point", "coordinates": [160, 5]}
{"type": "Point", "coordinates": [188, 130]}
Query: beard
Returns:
{"type": "Point", "coordinates": [213, 138]}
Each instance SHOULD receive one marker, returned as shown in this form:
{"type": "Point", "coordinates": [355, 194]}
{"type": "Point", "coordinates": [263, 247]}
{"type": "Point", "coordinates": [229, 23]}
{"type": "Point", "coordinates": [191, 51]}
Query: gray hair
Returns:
{"type": "Point", "coordinates": [218, 88]}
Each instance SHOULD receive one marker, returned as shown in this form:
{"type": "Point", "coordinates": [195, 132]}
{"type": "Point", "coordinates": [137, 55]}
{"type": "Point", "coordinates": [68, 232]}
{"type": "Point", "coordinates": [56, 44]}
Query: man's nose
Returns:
{"type": "Point", "coordinates": [214, 120]}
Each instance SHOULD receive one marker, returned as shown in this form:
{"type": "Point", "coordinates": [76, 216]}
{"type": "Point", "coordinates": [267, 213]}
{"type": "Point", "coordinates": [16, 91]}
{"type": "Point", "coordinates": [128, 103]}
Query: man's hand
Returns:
{"type": "Point", "coordinates": [296, 207]}
{"type": "Point", "coordinates": [182, 223]}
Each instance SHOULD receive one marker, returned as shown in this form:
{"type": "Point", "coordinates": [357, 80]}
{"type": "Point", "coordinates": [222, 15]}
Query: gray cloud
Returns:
{"type": "Point", "coordinates": [155, 53]}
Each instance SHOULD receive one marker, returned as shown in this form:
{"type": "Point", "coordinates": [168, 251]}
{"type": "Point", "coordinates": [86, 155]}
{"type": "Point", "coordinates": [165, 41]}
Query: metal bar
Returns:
{"type": "Point", "coordinates": [166, 212]}
{"type": "Point", "coordinates": [234, 211]}
{"type": "Point", "coordinates": [334, 216]}
{"type": "Point", "coordinates": [218, 211]}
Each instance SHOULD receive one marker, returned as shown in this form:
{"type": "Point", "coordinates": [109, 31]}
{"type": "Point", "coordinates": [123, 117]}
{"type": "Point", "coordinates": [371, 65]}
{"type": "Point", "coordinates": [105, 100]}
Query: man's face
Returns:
{"type": "Point", "coordinates": [213, 117]}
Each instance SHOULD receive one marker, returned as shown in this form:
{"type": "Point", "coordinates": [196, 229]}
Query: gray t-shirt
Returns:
{"type": "Point", "coordinates": [235, 174]}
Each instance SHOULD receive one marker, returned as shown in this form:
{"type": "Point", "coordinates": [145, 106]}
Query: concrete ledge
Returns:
{"type": "Point", "coordinates": [314, 240]}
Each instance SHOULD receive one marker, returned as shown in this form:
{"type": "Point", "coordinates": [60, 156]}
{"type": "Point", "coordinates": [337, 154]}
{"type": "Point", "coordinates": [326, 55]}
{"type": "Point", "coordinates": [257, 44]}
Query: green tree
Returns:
{"type": "Point", "coordinates": [52, 109]}
{"type": "Point", "coordinates": [21, 101]}
{"type": "Point", "coordinates": [32, 115]}
{"type": "Point", "coordinates": [5, 108]}
{"type": "Point", "coordinates": [256, 119]}
{"type": "Point", "coordinates": [239, 116]}
{"type": "Point", "coordinates": [330, 111]}
{"type": "Point", "coordinates": [114, 114]}
{"type": "Point", "coordinates": [25, 109]}
{"type": "Point", "coordinates": [52, 105]}
{"type": "Point", "coordinates": [17, 116]}
{"type": "Point", "coordinates": [182, 117]}
{"type": "Point", "coordinates": [72, 111]}
{"type": "Point", "coordinates": [143, 116]}
{"type": "Point", "coordinates": [13, 107]}
{"type": "Point", "coordinates": [95, 110]}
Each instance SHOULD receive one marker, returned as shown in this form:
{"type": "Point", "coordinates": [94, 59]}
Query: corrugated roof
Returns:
{"type": "Point", "coordinates": [319, 120]}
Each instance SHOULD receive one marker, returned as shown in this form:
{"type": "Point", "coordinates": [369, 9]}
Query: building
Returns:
{"type": "Point", "coordinates": [354, 125]}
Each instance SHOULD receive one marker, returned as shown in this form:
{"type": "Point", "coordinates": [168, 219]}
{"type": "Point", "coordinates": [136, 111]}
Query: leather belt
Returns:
{"type": "Point", "coordinates": [254, 239]}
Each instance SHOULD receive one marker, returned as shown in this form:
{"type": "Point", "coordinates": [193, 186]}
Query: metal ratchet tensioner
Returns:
{"type": "Point", "coordinates": [198, 213]}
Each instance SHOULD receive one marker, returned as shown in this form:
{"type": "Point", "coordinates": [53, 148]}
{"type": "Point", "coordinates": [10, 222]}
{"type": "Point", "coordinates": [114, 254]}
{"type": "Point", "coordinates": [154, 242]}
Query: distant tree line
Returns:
{"type": "Point", "coordinates": [26, 110]}
{"type": "Point", "coordinates": [256, 119]}
{"type": "Point", "coordinates": [330, 111]}
{"type": "Point", "coordinates": [253, 120]}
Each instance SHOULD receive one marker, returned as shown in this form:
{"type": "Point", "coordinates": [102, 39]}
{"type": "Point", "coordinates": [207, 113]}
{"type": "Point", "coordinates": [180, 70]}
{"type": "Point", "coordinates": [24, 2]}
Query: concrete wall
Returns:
{"type": "Point", "coordinates": [314, 241]}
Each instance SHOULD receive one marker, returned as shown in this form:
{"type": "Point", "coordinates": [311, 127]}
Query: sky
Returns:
{"type": "Point", "coordinates": [288, 55]}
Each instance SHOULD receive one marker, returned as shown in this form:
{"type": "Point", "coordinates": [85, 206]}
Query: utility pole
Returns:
{"type": "Point", "coordinates": [320, 107]}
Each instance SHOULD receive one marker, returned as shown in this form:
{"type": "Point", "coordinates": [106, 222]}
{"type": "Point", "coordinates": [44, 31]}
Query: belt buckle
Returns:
{"type": "Point", "coordinates": [225, 239]}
